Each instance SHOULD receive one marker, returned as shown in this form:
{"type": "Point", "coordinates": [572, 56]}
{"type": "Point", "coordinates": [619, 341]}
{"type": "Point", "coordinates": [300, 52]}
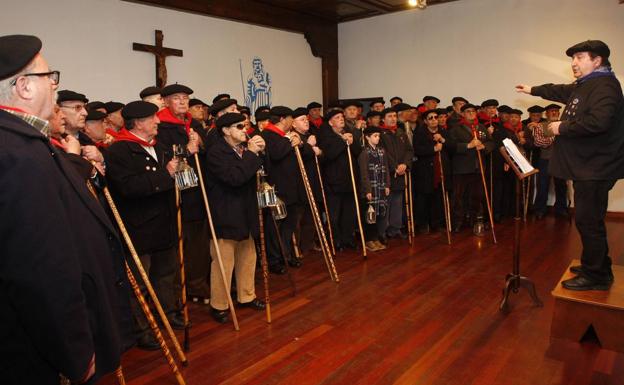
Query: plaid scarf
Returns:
{"type": "Point", "coordinates": [377, 175]}
{"type": "Point", "coordinates": [41, 125]}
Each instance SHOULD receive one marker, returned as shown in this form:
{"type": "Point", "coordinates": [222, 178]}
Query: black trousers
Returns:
{"type": "Point", "coordinates": [429, 209]}
{"type": "Point", "coordinates": [504, 196]}
{"type": "Point", "coordinates": [591, 199]}
{"type": "Point", "coordinates": [471, 185]}
{"type": "Point", "coordinates": [197, 258]}
{"type": "Point", "coordinates": [286, 228]}
{"type": "Point", "coordinates": [341, 208]}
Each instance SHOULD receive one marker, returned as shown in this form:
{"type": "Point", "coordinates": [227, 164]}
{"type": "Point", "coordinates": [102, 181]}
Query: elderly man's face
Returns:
{"type": "Point", "coordinates": [390, 119]}
{"type": "Point", "coordinates": [41, 91]}
{"type": "Point", "coordinates": [148, 127]}
{"type": "Point", "coordinates": [351, 112]}
{"type": "Point", "coordinates": [458, 105]}
{"type": "Point", "coordinates": [301, 124]}
{"type": "Point", "coordinates": [95, 130]}
{"type": "Point", "coordinates": [315, 113]}
{"type": "Point", "coordinates": [155, 99]}
{"type": "Point", "coordinates": [504, 117]}
{"type": "Point", "coordinates": [432, 121]}
{"type": "Point", "coordinates": [514, 119]}
{"type": "Point", "coordinates": [431, 104]}
{"type": "Point", "coordinates": [197, 112]}
{"type": "Point", "coordinates": [379, 106]}
{"type": "Point", "coordinates": [442, 119]}
{"type": "Point", "coordinates": [178, 103]}
{"type": "Point", "coordinates": [115, 119]}
{"type": "Point", "coordinates": [535, 117]}
{"type": "Point", "coordinates": [373, 121]}
{"type": "Point", "coordinates": [552, 114]}
{"type": "Point", "coordinates": [337, 122]}
{"type": "Point", "coordinates": [469, 114]}
{"type": "Point", "coordinates": [583, 64]}
{"type": "Point", "coordinates": [57, 122]}
{"type": "Point", "coordinates": [75, 115]}
{"type": "Point", "coordinates": [490, 111]}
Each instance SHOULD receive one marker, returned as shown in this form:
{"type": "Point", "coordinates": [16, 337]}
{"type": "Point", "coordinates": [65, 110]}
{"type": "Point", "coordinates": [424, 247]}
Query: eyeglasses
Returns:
{"type": "Point", "coordinates": [431, 117]}
{"type": "Point", "coordinates": [240, 126]}
{"type": "Point", "coordinates": [77, 108]}
{"type": "Point", "coordinates": [55, 76]}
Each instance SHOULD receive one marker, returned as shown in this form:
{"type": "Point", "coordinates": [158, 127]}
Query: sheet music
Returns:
{"type": "Point", "coordinates": [516, 156]}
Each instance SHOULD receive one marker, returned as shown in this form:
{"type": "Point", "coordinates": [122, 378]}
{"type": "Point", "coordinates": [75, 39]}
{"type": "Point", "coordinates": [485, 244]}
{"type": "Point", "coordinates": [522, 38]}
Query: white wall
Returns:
{"type": "Point", "coordinates": [90, 42]}
{"type": "Point", "coordinates": [478, 49]}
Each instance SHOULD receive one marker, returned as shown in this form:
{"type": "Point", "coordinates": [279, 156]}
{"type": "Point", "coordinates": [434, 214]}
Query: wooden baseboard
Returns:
{"type": "Point", "coordinates": [615, 215]}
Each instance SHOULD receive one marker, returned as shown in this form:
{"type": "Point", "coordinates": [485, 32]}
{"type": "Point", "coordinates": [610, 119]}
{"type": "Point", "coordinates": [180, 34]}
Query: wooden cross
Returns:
{"type": "Point", "coordinates": [160, 53]}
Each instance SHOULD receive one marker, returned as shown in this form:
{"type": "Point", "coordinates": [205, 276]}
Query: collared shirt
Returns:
{"type": "Point", "coordinates": [41, 125]}
{"type": "Point", "coordinates": [150, 149]}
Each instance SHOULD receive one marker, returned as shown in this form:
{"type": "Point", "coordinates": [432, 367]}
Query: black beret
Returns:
{"type": "Point", "coordinates": [350, 103]}
{"type": "Point", "coordinates": [429, 97]}
{"type": "Point", "coordinates": [196, 102]}
{"type": "Point", "coordinates": [228, 119]}
{"type": "Point", "coordinates": [138, 109]}
{"type": "Point", "coordinates": [515, 111]}
{"type": "Point", "coordinates": [262, 115]}
{"type": "Point", "coordinates": [221, 105]}
{"type": "Point", "coordinates": [314, 105]}
{"type": "Point", "coordinates": [442, 111]}
{"type": "Point", "coordinates": [359, 104]}
{"type": "Point", "coordinates": [220, 97]}
{"type": "Point", "coordinates": [490, 103]}
{"type": "Point", "coordinates": [449, 109]}
{"type": "Point", "coordinates": [299, 112]}
{"type": "Point", "coordinates": [113, 106]}
{"type": "Point", "coordinates": [401, 107]}
{"type": "Point", "coordinates": [67, 95]}
{"type": "Point", "coordinates": [175, 89]}
{"type": "Point", "coordinates": [429, 112]}
{"type": "Point", "coordinates": [281, 111]}
{"type": "Point", "coordinates": [262, 108]}
{"type": "Point", "coordinates": [396, 97]}
{"type": "Point", "coordinates": [387, 111]}
{"type": "Point", "coordinates": [95, 105]}
{"type": "Point", "coordinates": [371, 130]}
{"type": "Point", "coordinates": [376, 101]}
{"type": "Point", "coordinates": [370, 114]}
{"type": "Point", "coordinates": [149, 91]}
{"type": "Point", "coordinates": [552, 106]}
{"type": "Point", "coordinates": [458, 99]}
{"type": "Point", "coordinates": [467, 106]}
{"type": "Point", "coordinates": [95, 115]}
{"type": "Point", "coordinates": [333, 112]}
{"type": "Point", "coordinates": [504, 109]}
{"type": "Point", "coordinates": [596, 46]}
{"type": "Point", "coordinates": [16, 51]}
{"type": "Point", "coordinates": [536, 109]}
{"type": "Point", "coordinates": [243, 110]}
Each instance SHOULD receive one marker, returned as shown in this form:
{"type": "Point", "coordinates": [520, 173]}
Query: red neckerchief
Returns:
{"type": "Point", "coordinates": [112, 132]}
{"type": "Point", "coordinates": [472, 125]}
{"type": "Point", "coordinates": [273, 128]}
{"type": "Point", "coordinates": [250, 130]}
{"type": "Point", "coordinates": [13, 109]}
{"type": "Point", "coordinates": [317, 122]}
{"type": "Point", "coordinates": [486, 119]}
{"type": "Point", "coordinates": [422, 109]}
{"type": "Point", "coordinates": [514, 130]}
{"type": "Point", "coordinates": [166, 116]}
{"type": "Point", "coordinates": [126, 136]}
{"type": "Point", "coordinates": [57, 143]}
{"type": "Point", "coordinates": [392, 129]}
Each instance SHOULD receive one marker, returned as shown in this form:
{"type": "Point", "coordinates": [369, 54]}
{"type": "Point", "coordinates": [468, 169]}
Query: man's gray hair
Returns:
{"type": "Point", "coordinates": [6, 85]}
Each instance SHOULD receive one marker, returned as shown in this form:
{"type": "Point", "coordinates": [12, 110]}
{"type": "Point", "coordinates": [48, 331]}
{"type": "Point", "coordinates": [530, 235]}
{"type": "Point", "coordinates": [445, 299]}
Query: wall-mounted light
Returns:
{"type": "Point", "coordinates": [422, 4]}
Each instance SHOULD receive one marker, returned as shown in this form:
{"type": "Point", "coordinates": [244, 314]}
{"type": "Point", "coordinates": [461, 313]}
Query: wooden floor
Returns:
{"type": "Point", "coordinates": [426, 314]}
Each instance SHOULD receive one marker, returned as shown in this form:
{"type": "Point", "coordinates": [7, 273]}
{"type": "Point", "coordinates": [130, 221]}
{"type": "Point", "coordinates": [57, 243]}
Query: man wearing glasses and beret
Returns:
{"type": "Point", "coordinates": [63, 294]}
{"type": "Point", "coordinates": [589, 150]}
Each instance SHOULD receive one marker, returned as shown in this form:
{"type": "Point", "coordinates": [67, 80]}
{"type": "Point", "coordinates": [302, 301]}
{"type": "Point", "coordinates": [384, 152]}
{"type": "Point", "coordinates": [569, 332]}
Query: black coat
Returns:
{"type": "Point", "coordinates": [193, 208]}
{"type": "Point", "coordinates": [63, 290]}
{"type": "Point", "coordinates": [309, 163]}
{"type": "Point", "coordinates": [423, 168]}
{"type": "Point", "coordinates": [336, 172]}
{"type": "Point", "coordinates": [398, 150]}
{"type": "Point", "coordinates": [283, 169]}
{"type": "Point", "coordinates": [590, 144]}
{"type": "Point", "coordinates": [144, 193]}
{"type": "Point", "coordinates": [464, 159]}
{"type": "Point", "coordinates": [232, 191]}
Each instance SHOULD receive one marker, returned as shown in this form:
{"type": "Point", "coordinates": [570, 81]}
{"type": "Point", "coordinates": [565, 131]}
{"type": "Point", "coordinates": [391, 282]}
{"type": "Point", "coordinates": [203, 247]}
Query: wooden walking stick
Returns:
{"type": "Point", "coordinates": [216, 244]}
{"type": "Point", "coordinates": [120, 376]}
{"type": "Point", "coordinates": [357, 204]}
{"type": "Point", "coordinates": [263, 255]}
{"type": "Point", "coordinates": [528, 190]}
{"type": "Point", "coordinates": [316, 217]}
{"type": "Point", "coordinates": [295, 244]}
{"type": "Point", "coordinates": [485, 189]}
{"type": "Point", "coordinates": [152, 323]}
{"type": "Point", "coordinates": [144, 276]}
{"type": "Point", "coordinates": [329, 227]}
{"type": "Point", "coordinates": [447, 214]}
{"type": "Point", "coordinates": [411, 202]}
{"type": "Point", "coordinates": [407, 209]}
{"type": "Point", "coordinates": [187, 343]}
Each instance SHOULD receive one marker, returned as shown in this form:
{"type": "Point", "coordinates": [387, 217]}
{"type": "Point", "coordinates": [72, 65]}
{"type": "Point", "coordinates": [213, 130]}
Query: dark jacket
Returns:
{"type": "Point", "coordinates": [63, 290]}
{"type": "Point", "coordinates": [399, 150]}
{"type": "Point", "coordinates": [336, 172]}
{"type": "Point", "coordinates": [232, 190]}
{"type": "Point", "coordinates": [283, 169]}
{"type": "Point", "coordinates": [465, 160]}
{"type": "Point", "coordinates": [193, 208]}
{"type": "Point", "coordinates": [145, 196]}
{"type": "Point", "coordinates": [423, 168]}
{"type": "Point", "coordinates": [590, 145]}
{"type": "Point", "coordinates": [309, 162]}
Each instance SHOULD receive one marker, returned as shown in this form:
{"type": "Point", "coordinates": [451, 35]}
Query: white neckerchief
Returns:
{"type": "Point", "coordinates": [150, 149]}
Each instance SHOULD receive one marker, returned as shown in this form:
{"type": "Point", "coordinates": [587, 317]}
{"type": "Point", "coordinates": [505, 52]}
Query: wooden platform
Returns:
{"type": "Point", "coordinates": [576, 311]}
{"type": "Point", "coordinates": [420, 315]}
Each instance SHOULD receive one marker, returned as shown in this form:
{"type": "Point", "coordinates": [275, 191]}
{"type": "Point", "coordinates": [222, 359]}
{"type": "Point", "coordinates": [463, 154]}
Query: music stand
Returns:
{"type": "Point", "coordinates": [514, 281]}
